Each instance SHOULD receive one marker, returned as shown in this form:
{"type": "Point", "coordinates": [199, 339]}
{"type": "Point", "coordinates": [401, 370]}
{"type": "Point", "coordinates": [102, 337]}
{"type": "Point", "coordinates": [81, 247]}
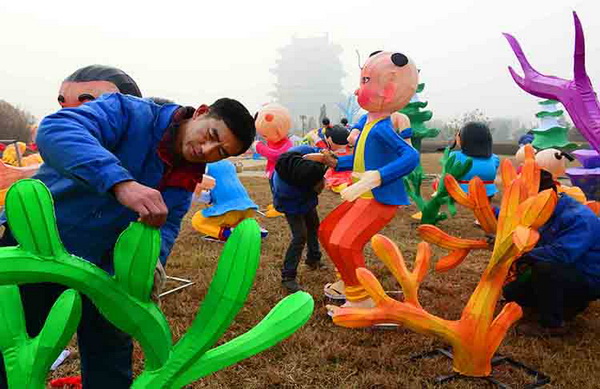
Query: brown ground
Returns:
{"type": "Point", "coordinates": [321, 355]}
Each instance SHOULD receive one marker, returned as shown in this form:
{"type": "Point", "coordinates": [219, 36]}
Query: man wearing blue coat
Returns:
{"type": "Point", "coordinates": [112, 161]}
{"type": "Point", "coordinates": [561, 275]}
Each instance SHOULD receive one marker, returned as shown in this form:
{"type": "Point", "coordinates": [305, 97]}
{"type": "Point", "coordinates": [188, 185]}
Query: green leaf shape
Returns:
{"type": "Point", "coordinates": [225, 297]}
{"type": "Point", "coordinates": [412, 184]}
{"type": "Point", "coordinates": [61, 324]}
{"type": "Point", "coordinates": [555, 137]}
{"type": "Point", "coordinates": [451, 206]}
{"type": "Point", "coordinates": [444, 158]}
{"type": "Point", "coordinates": [458, 169]}
{"type": "Point", "coordinates": [30, 215]}
{"type": "Point", "coordinates": [135, 255]}
{"type": "Point", "coordinates": [40, 257]}
{"type": "Point", "coordinates": [12, 318]}
{"type": "Point", "coordinates": [413, 108]}
{"type": "Point", "coordinates": [425, 132]}
{"type": "Point", "coordinates": [420, 87]}
{"type": "Point", "coordinates": [430, 209]}
{"type": "Point", "coordinates": [548, 102]}
{"type": "Point", "coordinates": [28, 360]}
{"type": "Point", "coordinates": [542, 131]}
{"type": "Point", "coordinates": [283, 320]}
{"type": "Point", "coordinates": [545, 114]}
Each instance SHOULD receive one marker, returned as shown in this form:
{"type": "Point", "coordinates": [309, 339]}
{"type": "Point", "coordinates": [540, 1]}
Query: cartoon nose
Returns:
{"type": "Point", "coordinates": [399, 59]}
{"type": "Point", "coordinates": [269, 117]}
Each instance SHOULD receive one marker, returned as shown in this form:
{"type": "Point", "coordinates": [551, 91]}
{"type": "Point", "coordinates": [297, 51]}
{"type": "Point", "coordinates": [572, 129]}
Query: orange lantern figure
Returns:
{"type": "Point", "coordinates": [381, 158]}
{"type": "Point", "coordinates": [476, 336]}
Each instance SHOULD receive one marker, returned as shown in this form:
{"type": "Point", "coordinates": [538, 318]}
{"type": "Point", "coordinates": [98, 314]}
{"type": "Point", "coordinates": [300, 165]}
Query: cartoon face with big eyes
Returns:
{"type": "Point", "coordinates": [273, 122]}
{"type": "Point", "coordinates": [387, 82]}
{"type": "Point", "coordinates": [89, 83]}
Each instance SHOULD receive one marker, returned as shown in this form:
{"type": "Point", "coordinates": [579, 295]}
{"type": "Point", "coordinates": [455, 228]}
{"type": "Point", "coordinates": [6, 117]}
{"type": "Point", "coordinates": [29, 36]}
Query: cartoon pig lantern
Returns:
{"type": "Point", "coordinates": [273, 122]}
{"type": "Point", "coordinates": [380, 160]}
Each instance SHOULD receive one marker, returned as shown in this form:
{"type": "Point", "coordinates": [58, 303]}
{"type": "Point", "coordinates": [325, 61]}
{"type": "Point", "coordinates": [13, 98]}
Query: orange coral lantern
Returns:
{"type": "Point", "coordinates": [476, 336]}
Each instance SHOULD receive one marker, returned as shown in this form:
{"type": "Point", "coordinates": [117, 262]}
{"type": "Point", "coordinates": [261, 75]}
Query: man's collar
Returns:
{"type": "Point", "coordinates": [178, 172]}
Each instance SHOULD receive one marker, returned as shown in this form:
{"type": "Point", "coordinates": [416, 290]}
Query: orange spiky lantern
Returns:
{"type": "Point", "coordinates": [476, 336]}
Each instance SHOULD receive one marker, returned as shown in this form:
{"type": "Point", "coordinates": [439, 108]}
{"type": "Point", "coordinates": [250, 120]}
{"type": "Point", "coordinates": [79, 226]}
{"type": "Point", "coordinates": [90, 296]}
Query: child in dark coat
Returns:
{"type": "Point", "coordinates": [297, 183]}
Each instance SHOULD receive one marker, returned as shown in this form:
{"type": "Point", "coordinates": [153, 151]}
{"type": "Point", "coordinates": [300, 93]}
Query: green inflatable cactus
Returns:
{"type": "Point", "coordinates": [430, 209]}
{"type": "Point", "coordinates": [124, 299]}
{"type": "Point", "coordinates": [28, 360]}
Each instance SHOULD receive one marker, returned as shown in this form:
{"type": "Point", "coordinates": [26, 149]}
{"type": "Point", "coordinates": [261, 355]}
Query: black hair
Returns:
{"type": "Point", "coordinates": [476, 140]}
{"type": "Point", "coordinates": [344, 121]}
{"type": "Point", "coordinates": [299, 172]}
{"type": "Point", "coordinates": [338, 134]}
{"type": "Point", "coordinates": [546, 181]}
{"type": "Point", "coordinates": [325, 121]}
{"type": "Point", "coordinates": [237, 118]}
{"type": "Point", "coordinates": [122, 81]}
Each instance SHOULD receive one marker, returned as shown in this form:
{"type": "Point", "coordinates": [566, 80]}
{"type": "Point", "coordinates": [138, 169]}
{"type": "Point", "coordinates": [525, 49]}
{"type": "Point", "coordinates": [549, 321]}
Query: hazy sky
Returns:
{"type": "Point", "coordinates": [195, 52]}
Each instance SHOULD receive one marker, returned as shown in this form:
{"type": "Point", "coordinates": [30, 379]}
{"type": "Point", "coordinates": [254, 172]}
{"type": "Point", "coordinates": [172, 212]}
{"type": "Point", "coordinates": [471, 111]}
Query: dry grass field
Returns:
{"type": "Point", "coordinates": [321, 355]}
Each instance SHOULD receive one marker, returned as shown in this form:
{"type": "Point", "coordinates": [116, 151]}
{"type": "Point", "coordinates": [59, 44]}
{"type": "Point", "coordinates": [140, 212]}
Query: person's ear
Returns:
{"type": "Point", "coordinates": [201, 110]}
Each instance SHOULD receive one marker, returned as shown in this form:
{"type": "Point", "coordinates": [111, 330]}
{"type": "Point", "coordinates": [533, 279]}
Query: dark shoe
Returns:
{"type": "Point", "coordinates": [535, 329]}
{"type": "Point", "coordinates": [318, 265]}
{"type": "Point", "coordinates": [291, 286]}
{"type": "Point", "coordinates": [263, 233]}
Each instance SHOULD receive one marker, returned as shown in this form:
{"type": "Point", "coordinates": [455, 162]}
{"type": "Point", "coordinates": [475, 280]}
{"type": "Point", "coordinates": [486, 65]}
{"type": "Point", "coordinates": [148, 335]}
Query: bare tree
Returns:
{"type": "Point", "coordinates": [454, 125]}
{"type": "Point", "coordinates": [15, 123]}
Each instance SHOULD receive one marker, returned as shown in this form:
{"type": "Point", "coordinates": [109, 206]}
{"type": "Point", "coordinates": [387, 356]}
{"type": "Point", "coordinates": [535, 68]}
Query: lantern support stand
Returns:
{"type": "Point", "coordinates": [540, 378]}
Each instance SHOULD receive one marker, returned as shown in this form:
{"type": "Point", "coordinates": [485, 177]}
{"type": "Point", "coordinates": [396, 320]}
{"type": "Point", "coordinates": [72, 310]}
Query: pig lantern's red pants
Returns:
{"type": "Point", "coordinates": [344, 234]}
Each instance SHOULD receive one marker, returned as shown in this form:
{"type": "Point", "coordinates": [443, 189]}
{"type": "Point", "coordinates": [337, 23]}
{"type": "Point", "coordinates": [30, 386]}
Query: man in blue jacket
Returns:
{"type": "Point", "coordinates": [561, 275]}
{"type": "Point", "coordinates": [112, 161]}
{"type": "Point", "coordinates": [296, 185]}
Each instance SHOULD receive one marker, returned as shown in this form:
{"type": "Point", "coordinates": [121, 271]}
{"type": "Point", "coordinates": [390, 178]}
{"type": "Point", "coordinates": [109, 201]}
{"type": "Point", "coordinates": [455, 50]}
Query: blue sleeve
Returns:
{"type": "Point", "coordinates": [572, 240]}
{"type": "Point", "coordinates": [78, 142]}
{"type": "Point", "coordinates": [304, 149]}
{"type": "Point", "coordinates": [360, 124]}
{"type": "Point", "coordinates": [178, 201]}
{"type": "Point", "coordinates": [345, 163]}
{"type": "Point", "coordinates": [406, 133]}
{"type": "Point", "coordinates": [408, 157]}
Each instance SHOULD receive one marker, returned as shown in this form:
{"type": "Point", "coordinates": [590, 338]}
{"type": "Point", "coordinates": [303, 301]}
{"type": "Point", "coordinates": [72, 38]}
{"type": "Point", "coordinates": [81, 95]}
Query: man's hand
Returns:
{"type": "Point", "coordinates": [147, 202]}
{"type": "Point", "coordinates": [367, 181]}
{"type": "Point", "coordinates": [325, 157]}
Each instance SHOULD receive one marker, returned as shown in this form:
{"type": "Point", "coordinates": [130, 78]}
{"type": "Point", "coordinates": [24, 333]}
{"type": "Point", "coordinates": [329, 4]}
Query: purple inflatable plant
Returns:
{"type": "Point", "coordinates": [576, 95]}
{"type": "Point", "coordinates": [580, 100]}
